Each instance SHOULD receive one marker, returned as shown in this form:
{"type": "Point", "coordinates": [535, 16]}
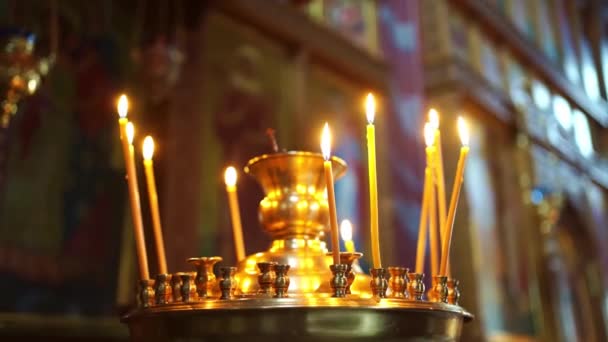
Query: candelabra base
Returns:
{"type": "Point", "coordinates": [299, 319]}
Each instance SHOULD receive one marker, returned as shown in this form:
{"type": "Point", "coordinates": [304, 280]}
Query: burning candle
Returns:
{"type": "Point", "coordinates": [331, 196]}
{"type": "Point", "coordinates": [346, 231]}
{"type": "Point", "coordinates": [370, 112]}
{"type": "Point", "coordinates": [230, 177]}
{"type": "Point", "coordinates": [148, 153]}
{"type": "Point", "coordinates": [127, 132]}
{"type": "Point", "coordinates": [423, 226]}
{"type": "Point", "coordinates": [439, 176]}
{"type": "Point", "coordinates": [426, 191]}
{"type": "Point", "coordinates": [463, 131]}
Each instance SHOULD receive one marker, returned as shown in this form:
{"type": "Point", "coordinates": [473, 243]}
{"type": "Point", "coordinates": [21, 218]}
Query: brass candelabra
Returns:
{"type": "Point", "coordinates": [293, 290]}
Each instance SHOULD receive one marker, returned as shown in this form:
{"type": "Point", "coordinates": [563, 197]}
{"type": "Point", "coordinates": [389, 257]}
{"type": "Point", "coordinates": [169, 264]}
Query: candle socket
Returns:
{"type": "Point", "coordinates": [415, 285]}
{"type": "Point", "coordinates": [188, 288]}
{"type": "Point", "coordinates": [349, 258]}
{"type": "Point", "coordinates": [339, 281]}
{"type": "Point", "coordinates": [146, 292]}
{"type": "Point", "coordinates": [453, 291]}
{"type": "Point", "coordinates": [281, 281]}
{"type": "Point", "coordinates": [228, 282]}
{"type": "Point", "coordinates": [266, 278]}
{"type": "Point", "coordinates": [398, 282]}
{"type": "Point", "coordinates": [438, 292]}
{"type": "Point", "coordinates": [176, 284]}
{"type": "Point", "coordinates": [164, 290]}
{"type": "Point", "coordinates": [205, 278]}
{"type": "Point", "coordinates": [379, 283]}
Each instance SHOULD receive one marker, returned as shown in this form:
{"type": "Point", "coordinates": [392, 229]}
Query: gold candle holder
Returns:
{"type": "Point", "coordinates": [176, 286]}
{"type": "Point", "coordinates": [438, 292]}
{"type": "Point", "coordinates": [146, 297]}
{"type": "Point", "coordinates": [349, 259]}
{"type": "Point", "coordinates": [228, 282]}
{"type": "Point", "coordinates": [379, 283]}
{"type": "Point", "coordinates": [266, 278]}
{"type": "Point", "coordinates": [339, 282]}
{"type": "Point", "coordinates": [415, 285]}
{"type": "Point", "coordinates": [281, 281]}
{"type": "Point", "coordinates": [188, 289]}
{"type": "Point", "coordinates": [398, 282]}
{"type": "Point", "coordinates": [453, 291]}
{"type": "Point", "coordinates": [164, 290]}
{"type": "Point", "coordinates": [205, 278]}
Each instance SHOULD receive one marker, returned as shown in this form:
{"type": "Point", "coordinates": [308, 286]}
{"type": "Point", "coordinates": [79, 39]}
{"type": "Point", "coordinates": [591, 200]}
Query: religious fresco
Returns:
{"type": "Point", "coordinates": [61, 208]}
{"type": "Point", "coordinates": [354, 19]}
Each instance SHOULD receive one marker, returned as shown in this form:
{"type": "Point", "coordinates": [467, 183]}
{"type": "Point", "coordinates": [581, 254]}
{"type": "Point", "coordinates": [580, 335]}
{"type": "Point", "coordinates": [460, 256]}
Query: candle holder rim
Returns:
{"type": "Point", "coordinates": [281, 267]}
{"type": "Point", "coordinates": [338, 267]}
{"type": "Point", "coordinates": [336, 161]}
{"type": "Point", "coordinates": [397, 268]}
{"type": "Point", "coordinates": [352, 254]}
{"type": "Point", "coordinates": [197, 260]}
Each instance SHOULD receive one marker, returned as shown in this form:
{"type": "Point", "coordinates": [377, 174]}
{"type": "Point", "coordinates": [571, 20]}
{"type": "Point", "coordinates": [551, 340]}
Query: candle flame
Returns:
{"type": "Point", "coordinates": [346, 230]}
{"type": "Point", "coordinates": [434, 118]}
{"type": "Point", "coordinates": [130, 132]}
{"type": "Point", "coordinates": [326, 142]}
{"type": "Point", "coordinates": [148, 148]}
{"type": "Point", "coordinates": [429, 134]}
{"type": "Point", "coordinates": [230, 176]}
{"type": "Point", "coordinates": [370, 108]}
{"type": "Point", "coordinates": [463, 131]}
{"type": "Point", "coordinates": [123, 106]}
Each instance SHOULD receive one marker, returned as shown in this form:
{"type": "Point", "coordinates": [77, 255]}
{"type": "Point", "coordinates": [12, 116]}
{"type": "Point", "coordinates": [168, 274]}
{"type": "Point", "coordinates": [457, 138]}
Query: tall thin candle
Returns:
{"type": "Point", "coordinates": [370, 111]}
{"type": "Point", "coordinates": [331, 196]}
{"type": "Point", "coordinates": [439, 175]}
{"type": "Point", "coordinates": [426, 191]}
{"type": "Point", "coordinates": [148, 153]}
{"type": "Point", "coordinates": [235, 214]}
{"type": "Point", "coordinates": [458, 180]}
{"type": "Point", "coordinates": [126, 136]}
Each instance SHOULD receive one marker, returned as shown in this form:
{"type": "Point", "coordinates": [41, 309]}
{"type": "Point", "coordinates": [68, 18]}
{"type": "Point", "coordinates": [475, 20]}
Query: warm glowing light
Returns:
{"type": "Point", "coordinates": [370, 108]}
{"type": "Point", "coordinates": [326, 142]}
{"type": "Point", "coordinates": [32, 85]}
{"type": "Point", "coordinates": [123, 106]}
{"type": "Point", "coordinates": [346, 230]}
{"type": "Point", "coordinates": [130, 132]}
{"type": "Point", "coordinates": [230, 176]}
{"type": "Point", "coordinates": [429, 134]}
{"type": "Point", "coordinates": [148, 148]}
{"type": "Point", "coordinates": [463, 131]}
{"type": "Point", "coordinates": [434, 118]}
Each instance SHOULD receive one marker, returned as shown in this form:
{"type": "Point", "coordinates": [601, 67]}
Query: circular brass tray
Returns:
{"type": "Point", "coordinates": [299, 319]}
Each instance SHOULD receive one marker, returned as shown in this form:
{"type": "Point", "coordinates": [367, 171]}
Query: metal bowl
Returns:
{"type": "Point", "coordinates": [299, 319]}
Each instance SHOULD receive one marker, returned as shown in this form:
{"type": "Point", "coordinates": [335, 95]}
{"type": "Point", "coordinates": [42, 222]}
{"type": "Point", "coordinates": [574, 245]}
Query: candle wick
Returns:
{"type": "Point", "coordinates": [270, 132]}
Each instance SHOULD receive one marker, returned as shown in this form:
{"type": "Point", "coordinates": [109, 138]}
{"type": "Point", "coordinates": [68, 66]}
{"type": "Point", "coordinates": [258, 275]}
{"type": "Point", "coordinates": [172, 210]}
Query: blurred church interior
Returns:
{"type": "Point", "coordinates": [208, 78]}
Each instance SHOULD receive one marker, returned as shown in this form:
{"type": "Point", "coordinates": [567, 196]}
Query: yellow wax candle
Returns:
{"type": "Point", "coordinates": [433, 229]}
{"type": "Point", "coordinates": [346, 231]}
{"type": "Point", "coordinates": [126, 137]}
{"type": "Point", "coordinates": [235, 214]}
{"type": "Point", "coordinates": [331, 196]}
{"type": "Point", "coordinates": [370, 111]}
{"type": "Point", "coordinates": [127, 149]}
{"type": "Point", "coordinates": [439, 179]}
{"type": "Point", "coordinates": [424, 210]}
{"type": "Point", "coordinates": [458, 180]}
{"type": "Point", "coordinates": [148, 152]}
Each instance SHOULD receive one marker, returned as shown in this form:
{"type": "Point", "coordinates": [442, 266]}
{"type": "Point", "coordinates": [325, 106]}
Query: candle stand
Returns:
{"type": "Point", "coordinates": [289, 292]}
